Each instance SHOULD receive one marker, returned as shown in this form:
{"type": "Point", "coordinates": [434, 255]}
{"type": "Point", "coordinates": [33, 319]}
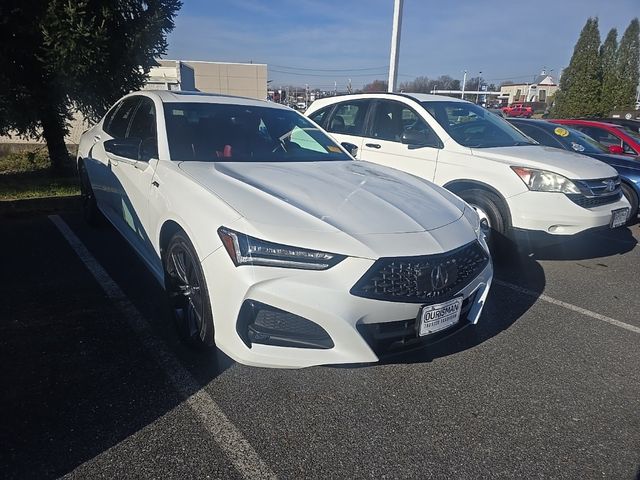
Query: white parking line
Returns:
{"type": "Point", "coordinates": [568, 306]}
{"type": "Point", "coordinates": [231, 441]}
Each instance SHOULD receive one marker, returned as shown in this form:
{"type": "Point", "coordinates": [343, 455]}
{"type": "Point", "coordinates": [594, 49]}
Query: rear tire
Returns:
{"type": "Point", "coordinates": [632, 198]}
{"type": "Point", "coordinates": [90, 211]}
{"type": "Point", "coordinates": [187, 292]}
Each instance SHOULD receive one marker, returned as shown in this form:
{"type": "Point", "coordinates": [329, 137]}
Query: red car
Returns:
{"type": "Point", "coordinates": [616, 138]}
{"type": "Point", "coordinates": [517, 110]}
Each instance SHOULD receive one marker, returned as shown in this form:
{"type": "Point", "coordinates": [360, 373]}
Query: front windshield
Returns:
{"type": "Point", "coordinates": [214, 132]}
{"type": "Point", "coordinates": [475, 127]}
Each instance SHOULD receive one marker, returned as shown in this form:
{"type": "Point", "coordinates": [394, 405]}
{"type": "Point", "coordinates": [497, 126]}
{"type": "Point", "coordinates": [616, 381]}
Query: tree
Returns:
{"type": "Point", "coordinates": [608, 61]}
{"type": "Point", "coordinates": [376, 86]}
{"type": "Point", "coordinates": [580, 84]}
{"type": "Point", "coordinates": [59, 56]}
{"type": "Point", "coordinates": [628, 66]}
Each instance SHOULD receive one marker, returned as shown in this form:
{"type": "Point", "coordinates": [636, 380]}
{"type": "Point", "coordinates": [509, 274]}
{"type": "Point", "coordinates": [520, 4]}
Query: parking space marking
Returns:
{"type": "Point", "coordinates": [231, 441]}
{"type": "Point", "coordinates": [568, 306]}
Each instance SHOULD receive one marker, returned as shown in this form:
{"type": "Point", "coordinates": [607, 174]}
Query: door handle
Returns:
{"type": "Point", "coordinates": [372, 145]}
{"type": "Point", "coordinates": [96, 138]}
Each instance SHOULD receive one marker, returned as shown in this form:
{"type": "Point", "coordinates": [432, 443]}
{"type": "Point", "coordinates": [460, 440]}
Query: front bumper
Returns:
{"type": "Point", "coordinates": [555, 214]}
{"type": "Point", "coordinates": [320, 296]}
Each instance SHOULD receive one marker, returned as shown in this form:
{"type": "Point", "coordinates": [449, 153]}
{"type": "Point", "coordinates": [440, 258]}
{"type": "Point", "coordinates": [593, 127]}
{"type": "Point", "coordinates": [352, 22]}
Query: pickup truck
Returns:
{"type": "Point", "coordinates": [517, 110]}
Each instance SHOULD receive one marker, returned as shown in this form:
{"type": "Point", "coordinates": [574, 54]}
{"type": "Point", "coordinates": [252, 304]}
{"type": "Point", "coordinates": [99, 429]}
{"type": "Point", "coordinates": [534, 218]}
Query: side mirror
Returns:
{"type": "Point", "coordinates": [417, 139]}
{"type": "Point", "coordinates": [351, 148]}
{"type": "Point", "coordinates": [123, 147]}
{"type": "Point", "coordinates": [616, 149]}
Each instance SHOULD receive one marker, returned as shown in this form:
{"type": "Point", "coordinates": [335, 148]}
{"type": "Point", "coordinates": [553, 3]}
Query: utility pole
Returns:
{"type": "Point", "coordinates": [464, 82]}
{"type": "Point", "coordinates": [395, 45]}
{"type": "Point", "coordinates": [478, 88]}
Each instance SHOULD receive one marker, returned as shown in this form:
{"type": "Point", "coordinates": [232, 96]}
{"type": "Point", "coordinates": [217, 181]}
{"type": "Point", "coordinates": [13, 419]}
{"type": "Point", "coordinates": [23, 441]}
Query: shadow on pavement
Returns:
{"type": "Point", "coordinates": [595, 244]}
{"type": "Point", "coordinates": [75, 378]}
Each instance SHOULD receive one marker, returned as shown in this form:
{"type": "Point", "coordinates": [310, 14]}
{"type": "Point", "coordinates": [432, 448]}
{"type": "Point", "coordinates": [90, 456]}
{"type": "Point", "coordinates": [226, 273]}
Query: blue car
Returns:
{"type": "Point", "coordinates": [561, 136]}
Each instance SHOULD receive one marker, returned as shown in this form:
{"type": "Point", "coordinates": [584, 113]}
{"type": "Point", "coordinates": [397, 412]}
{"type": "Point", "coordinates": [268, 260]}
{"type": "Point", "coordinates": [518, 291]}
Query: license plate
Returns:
{"type": "Point", "coordinates": [434, 318]}
{"type": "Point", "coordinates": [619, 217]}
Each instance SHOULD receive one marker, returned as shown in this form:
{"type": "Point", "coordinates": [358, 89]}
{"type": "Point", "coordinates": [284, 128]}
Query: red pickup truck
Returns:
{"type": "Point", "coordinates": [517, 110]}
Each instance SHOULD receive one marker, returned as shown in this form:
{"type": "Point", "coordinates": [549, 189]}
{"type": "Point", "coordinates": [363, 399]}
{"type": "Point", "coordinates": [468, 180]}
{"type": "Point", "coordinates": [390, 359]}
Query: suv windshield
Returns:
{"type": "Point", "coordinates": [578, 141]}
{"type": "Point", "coordinates": [212, 132]}
{"type": "Point", "coordinates": [475, 127]}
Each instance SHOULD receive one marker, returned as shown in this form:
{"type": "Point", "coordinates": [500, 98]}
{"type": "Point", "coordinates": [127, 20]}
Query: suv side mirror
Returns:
{"type": "Point", "coordinates": [417, 139]}
{"type": "Point", "coordinates": [616, 149]}
{"type": "Point", "coordinates": [123, 147]}
{"type": "Point", "coordinates": [351, 148]}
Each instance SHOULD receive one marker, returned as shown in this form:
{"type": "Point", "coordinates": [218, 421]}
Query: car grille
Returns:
{"type": "Point", "coordinates": [591, 202]}
{"type": "Point", "coordinates": [422, 279]}
{"type": "Point", "coordinates": [402, 335]}
{"type": "Point", "coordinates": [596, 193]}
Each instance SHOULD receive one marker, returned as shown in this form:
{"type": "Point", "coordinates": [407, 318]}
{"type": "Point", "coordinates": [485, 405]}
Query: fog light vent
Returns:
{"type": "Point", "coordinates": [267, 325]}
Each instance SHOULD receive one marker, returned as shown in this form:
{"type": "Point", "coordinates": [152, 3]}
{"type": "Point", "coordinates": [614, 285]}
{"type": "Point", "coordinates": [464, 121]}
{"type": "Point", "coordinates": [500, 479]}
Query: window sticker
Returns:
{"type": "Point", "coordinates": [561, 132]}
{"type": "Point", "coordinates": [176, 112]}
{"type": "Point", "coordinates": [577, 147]}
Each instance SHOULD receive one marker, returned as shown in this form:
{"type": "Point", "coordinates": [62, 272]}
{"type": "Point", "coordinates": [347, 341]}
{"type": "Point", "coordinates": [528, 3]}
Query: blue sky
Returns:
{"type": "Point", "coordinates": [322, 42]}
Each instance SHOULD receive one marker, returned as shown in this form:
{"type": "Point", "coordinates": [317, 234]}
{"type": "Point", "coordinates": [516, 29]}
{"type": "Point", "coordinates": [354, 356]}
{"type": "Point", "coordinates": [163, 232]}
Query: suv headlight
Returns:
{"type": "Point", "coordinates": [246, 250]}
{"type": "Point", "coordinates": [545, 181]}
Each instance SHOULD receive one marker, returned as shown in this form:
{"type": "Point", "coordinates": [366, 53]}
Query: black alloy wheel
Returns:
{"type": "Point", "coordinates": [187, 292]}
{"type": "Point", "coordinates": [632, 198]}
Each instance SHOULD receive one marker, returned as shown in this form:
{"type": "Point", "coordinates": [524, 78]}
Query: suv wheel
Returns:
{"type": "Point", "coordinates": [491, 211]}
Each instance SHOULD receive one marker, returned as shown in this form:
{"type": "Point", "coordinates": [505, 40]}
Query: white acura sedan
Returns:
{"type": "Point", "coordinates": [272, 243]}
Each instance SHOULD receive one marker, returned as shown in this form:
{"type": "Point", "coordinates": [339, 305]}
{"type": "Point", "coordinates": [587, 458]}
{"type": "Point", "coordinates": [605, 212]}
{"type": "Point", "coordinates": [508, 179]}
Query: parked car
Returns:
{"type": "Point", "coordinates": [520, 188]}
{"type": "Point", "coordinates": [517, 110]}
{"type": "Point", "coordinates": [615, 137]}
{"type": "Point", "coordinates": [552, 135]}
{"type": "Point", "coordinates": [628, 123]}
{"type": "Point", "coordinates": [271, 241]}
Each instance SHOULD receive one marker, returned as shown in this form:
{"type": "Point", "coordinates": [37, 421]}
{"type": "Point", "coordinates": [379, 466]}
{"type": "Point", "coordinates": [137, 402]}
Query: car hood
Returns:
{"type": "Point", "coordinates": [572, 165]}
{"type": "Point", "coordinates": [625, 161]}
{"type": "Point", "coordinates": [351, 197]}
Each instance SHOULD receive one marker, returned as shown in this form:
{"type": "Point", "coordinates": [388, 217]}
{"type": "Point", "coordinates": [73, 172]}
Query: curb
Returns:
{"type": "Point", "coordinates": [30, 206]}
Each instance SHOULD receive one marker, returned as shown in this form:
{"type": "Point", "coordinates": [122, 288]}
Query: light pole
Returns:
{"type": "Point", "coordinates": [478, 87]}
{"type": "Point", "coordinates": [464, 82]}
{"type": "Point", "coordinates": [395, 46]}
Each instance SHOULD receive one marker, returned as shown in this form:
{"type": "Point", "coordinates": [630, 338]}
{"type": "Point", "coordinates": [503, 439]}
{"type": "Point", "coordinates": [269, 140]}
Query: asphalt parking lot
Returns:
{"type": "Point", "coordinates": [95, 383]}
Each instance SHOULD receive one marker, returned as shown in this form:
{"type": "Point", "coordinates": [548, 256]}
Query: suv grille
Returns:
{"type": "Point", "coordinates": [596, 193]}
{"type": "Point", "coordinates": [422, 279]}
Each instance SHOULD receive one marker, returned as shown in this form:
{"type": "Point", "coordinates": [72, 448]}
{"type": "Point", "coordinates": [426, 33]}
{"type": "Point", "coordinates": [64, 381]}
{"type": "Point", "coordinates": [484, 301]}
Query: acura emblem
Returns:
{"type": "Point", "coordinates": [439, 277]}
{"type": "Point", "coordinates": [610, 185]}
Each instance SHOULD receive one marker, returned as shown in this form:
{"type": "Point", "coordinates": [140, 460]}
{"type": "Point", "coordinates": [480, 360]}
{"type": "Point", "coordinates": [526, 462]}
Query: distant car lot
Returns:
{"type": "Point", "coordinates": [96, 384]}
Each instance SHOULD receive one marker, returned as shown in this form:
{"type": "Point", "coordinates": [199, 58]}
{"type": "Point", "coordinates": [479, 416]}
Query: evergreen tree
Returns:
{"type": "Point", "coordinates": [609, 62]}
{"type": "Point", "coordinates": [580, 84]}
{"type": "Point", "coordinates": [59, 55]}
{"type": "Point", "coordinates": [628, 66]}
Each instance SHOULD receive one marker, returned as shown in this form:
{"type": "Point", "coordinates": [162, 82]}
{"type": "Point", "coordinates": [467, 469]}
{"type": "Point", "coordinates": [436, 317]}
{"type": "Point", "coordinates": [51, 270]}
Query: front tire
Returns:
{"type": "Point", "coordinates": [632, 198]}
{"type": "Point", "coordinates": [490, 209]}
{"type": "Point", "coordinates": [187, 292]}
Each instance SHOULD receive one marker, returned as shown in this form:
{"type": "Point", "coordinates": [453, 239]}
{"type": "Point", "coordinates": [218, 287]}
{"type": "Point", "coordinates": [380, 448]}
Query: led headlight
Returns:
{"type": "Point", "coordinates": [545, 181]}
{"type": "Point", "coordinates": [246, 250]}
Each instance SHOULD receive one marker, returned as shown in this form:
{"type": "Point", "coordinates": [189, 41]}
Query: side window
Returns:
{"type": "Point", "coordinates": [321, 115]}
{"type": "Point", "coordinates": [348, 118]}
{"type": "Point", "coordinates": [143, 127]}
{"type": "Point", "coordinates": [387, 122]}
{"type": "Point", "coordinates": [120, 121]}
{"type": "Point", "coordinates": [412, 122]}
{"type": "Point", "coordinates": [628, 149]}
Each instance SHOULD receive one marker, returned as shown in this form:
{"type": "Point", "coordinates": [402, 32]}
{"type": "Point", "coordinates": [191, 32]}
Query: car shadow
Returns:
{"type": "Point", "coordinates": [77, 379]}
{"type": "Point", "coordinates": [594, 244]}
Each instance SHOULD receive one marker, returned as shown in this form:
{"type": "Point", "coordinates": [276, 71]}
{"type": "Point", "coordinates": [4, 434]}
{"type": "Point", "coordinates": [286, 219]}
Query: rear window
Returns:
{"type": "Point", "coordinates": [239, 133]}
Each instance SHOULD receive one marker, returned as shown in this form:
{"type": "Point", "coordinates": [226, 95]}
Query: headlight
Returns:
{"type": "Point", "coordinates": [545, 181]}
{"type": "Point", "coordinates": [246, 250]}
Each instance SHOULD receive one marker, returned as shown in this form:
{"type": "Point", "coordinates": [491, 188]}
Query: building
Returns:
{"type": "Point", "coordinates": [240, 79]}
{"type": "Point", "coordinates": [540, 90]}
